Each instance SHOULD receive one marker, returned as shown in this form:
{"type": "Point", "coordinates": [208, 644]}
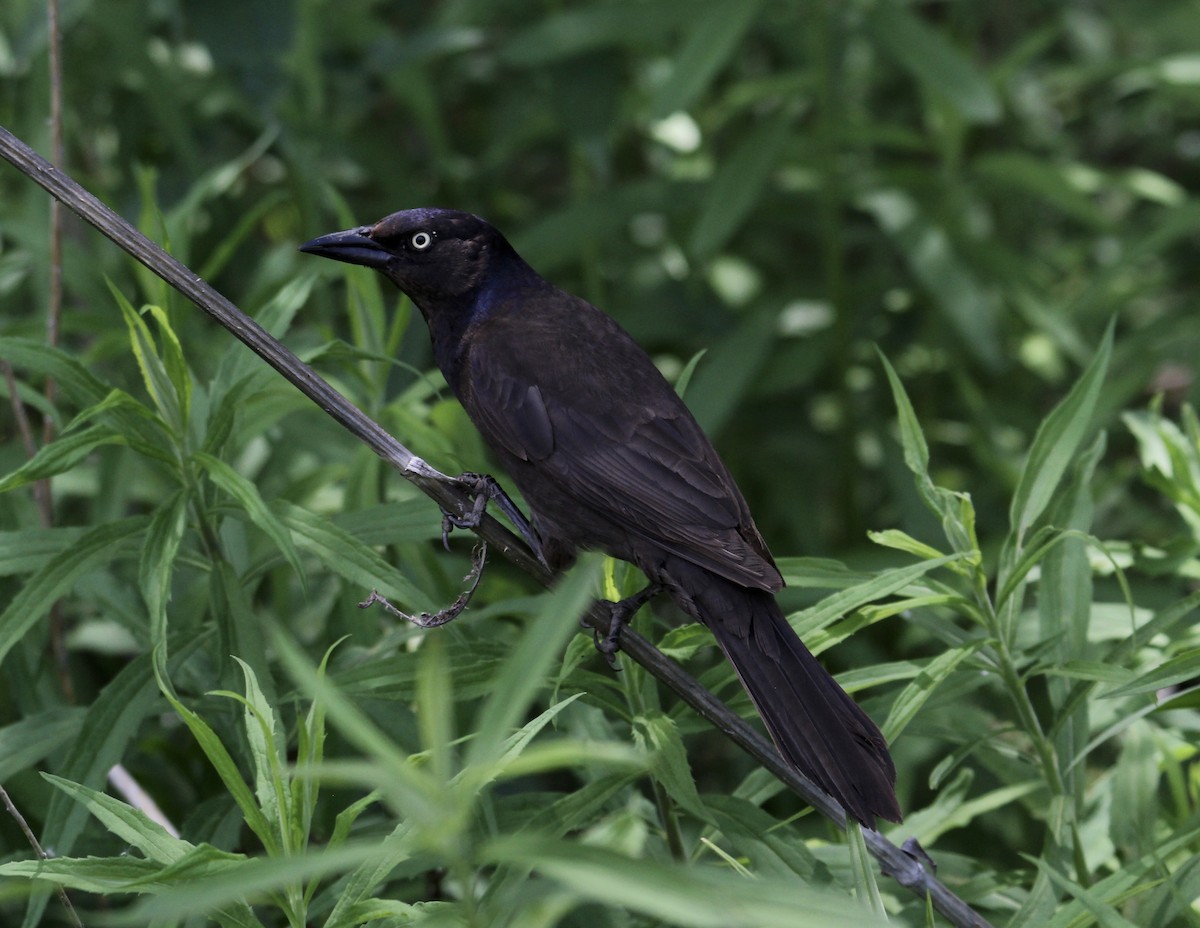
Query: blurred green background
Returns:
{"type": "Point", "coordinates": [975, 190]}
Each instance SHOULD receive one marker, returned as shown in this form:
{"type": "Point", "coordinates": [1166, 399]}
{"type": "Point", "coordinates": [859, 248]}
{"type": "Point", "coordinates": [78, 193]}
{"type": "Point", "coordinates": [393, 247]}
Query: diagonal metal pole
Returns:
{"type": "Point", "coordinates": [911, 869]}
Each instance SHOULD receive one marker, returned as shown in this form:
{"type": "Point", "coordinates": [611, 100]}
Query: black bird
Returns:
{"type": "Point", "coordinates": [608, 457]}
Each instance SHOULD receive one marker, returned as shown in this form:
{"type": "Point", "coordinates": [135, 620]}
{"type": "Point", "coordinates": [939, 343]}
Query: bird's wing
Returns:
{"type": "Point", "coordinates": [587, 407]}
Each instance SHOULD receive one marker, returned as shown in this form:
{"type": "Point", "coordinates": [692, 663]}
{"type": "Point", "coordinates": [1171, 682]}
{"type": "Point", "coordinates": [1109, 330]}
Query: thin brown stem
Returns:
{"type": "Point", "coordinates": [58, 634]}
{"type": "Point", "coordinates": [37, 849]}
{"type": "Point", "coordinates": [25, 430]}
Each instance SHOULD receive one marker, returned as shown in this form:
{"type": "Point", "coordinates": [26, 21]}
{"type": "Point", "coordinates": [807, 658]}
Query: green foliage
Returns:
{"type": "Point", "coordinates": [996, 526]}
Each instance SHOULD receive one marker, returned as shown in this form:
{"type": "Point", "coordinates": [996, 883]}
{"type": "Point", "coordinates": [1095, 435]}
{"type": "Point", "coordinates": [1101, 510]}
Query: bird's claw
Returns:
{"type": "Point", "coordinates": [484, 487]}
{"type": "Point", "coordinates": [470, 521]}
{"type": "Point", "coordinates": [451, 612]}
{"type": "Point", "coordinates": [620, 613]}
{"type": "Point", "coordinates": [610, 644]}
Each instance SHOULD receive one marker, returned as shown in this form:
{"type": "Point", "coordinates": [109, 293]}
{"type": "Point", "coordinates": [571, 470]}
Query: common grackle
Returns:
{"type": "Point", "coordinates": [608, 457]}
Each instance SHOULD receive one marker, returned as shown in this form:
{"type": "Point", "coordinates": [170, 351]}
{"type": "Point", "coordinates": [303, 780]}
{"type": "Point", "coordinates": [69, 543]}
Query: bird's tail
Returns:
{"type": "Point", "coordinates": [817, 727]}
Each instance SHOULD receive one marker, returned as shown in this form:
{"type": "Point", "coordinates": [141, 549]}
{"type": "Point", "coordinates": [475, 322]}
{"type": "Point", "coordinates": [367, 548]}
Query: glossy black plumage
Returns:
{"type": "Point", "coordinates": [607, 456]}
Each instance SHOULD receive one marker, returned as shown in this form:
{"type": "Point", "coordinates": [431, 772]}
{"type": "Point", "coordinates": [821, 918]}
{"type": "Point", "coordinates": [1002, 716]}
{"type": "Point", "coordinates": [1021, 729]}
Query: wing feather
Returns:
{"type": "Point", "coordinates": [632, 454]}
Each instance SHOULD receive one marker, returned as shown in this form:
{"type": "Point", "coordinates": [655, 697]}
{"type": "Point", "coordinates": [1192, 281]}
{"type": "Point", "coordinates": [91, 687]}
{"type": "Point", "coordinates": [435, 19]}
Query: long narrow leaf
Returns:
{"type": "Point", "coordinates": [57, 576]}
{"type": "Point", "coordinates": [157, 381]}
{"type": "Point", "coordinates": [349, 556]}
{"type": "Point", "coordinates": [246, 495]}
{"type": "Point", "coordinates": [699, 897]}
{"type": "Point", "coordinates": [1056, 442]}
{"type": "Point", "coordinates": [159, 550]}
{"type": "Point", "coordinates": [528, 666]}
{"type": "Point", "coordinates": [131, 825]}
{"type": "Point", "coordinates": [61, 455]}
{"type": "Point", "coordinates": [226, 767]}
{"type": "Point", "coordinates": [883, 584]}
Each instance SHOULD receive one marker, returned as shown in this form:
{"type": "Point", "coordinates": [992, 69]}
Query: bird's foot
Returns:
{"type": "Point", "coordinates": [620, 613]}
{"type": "Point", "coordinates": [484, 487]}
{"type": "Point", "coordinates": [451, 612]}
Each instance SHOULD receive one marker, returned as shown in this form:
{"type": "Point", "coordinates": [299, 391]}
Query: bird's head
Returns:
{"type": "Point", "coordinates": [434, 255]}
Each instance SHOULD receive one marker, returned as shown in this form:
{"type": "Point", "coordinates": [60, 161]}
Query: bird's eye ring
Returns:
{"type": "Point", "coordinates": [421, 240]}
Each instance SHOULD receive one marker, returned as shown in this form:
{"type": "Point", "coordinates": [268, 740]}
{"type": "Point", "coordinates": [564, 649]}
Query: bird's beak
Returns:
{"type": "Point", "coordinates": [352, 246]}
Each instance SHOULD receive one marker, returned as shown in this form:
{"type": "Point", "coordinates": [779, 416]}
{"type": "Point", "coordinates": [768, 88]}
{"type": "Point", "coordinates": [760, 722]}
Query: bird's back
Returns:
{"type": "Point", "coordinates": [584, 419]}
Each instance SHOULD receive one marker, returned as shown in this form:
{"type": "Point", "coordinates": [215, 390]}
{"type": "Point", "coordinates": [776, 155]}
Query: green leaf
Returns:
{"type": "Point", "coordinates": [93, 874]}
{"type": "Point", "coordinates": [348, 816]}
{"type": "Point", "coordinates": [1132, 880]}
{"type": "Point", "coordinates": [1135, 784]}
{"type": "Point", "coordinates": [912, 438]}
{"type": "Point", "coordinates": [1026, 174]}
{"type": "Point", "coordinates": [435, 705]}
{"type": "Point", "coordinates": [225, 766]}
{"type": "Point", "coordinates": [965, 302]}
{"type": "Point", "coordinates": [395, 849]}
{"type": "Point", "coordinates": [78, 383]}
{"type": "Point", "coordinates": [349, 556]}
{"type": "Point", "coordinates": [902, 541]}
{"type": "Point", "coordinates": [862, 872]}
{"type": "Point", "coordinates": [220, 884]}
{"type": "Point", "coordinates": [1057, 440]}
{"type": "Point", "coordinates": [1183, 667]}
{"type": "Point", "coordinates": [713, 38]}
{"type": "Point", "coordinates": [697, 896]}
{"type": "Point", "coordinates": [25, 550]}
{"type": "Point", "coordinates": [222, 418]}
{"type": "Point", "coordinates": [527, 668]}
{"type": "Point", "coordinates": [276, 317]}
{"type": "Point", "coordinates": [669, 762]}
{"type": "Point", "coordinates": [141, 428]}
{"type": "Point", "coordinates": [1043, 542]}
{"type": "Point", "coordinates": [420, 796]}
{"type": "Point", "coordinates": [562, 235]}
{"type": "Point", "coordinates": [520, 739]}
{"type": "Point", "coordinates": [953, 812]}
{"type": "Point", "coordinates": [919, 691]}
{"type": "Point", "coordinates": [940, 67]}
{"type": "Point", "coordinates": [682, 642]}
{"type": "Point", "coordinates": [57, 576]}
{"type": "Point", "coordinates": [885, 583]}
{"type": "Point", "coordinates": [730, 370]}
{"type": "Point", "coordinates": [61, 455]}
{"type": "Point", "coordinates": [25, 742]}
{"type": "Point", "coordinates": [567, 32]}
{"type": "Point", "coordinates": [758, 837]}
{"type": "Point", "coordinates": [246, 495]}
{"type": "Point", "coordinates": [561, 753]}
{"type": "Point", "coordinates": [155, 376]}
{"type": "Point", "coordinates": [174, 363]}
{"type": "Point", "coordinates": [1095, 671]}
{"type": "Point", "coordinates": [159, 550]}
{"type": "Point", "coordinates": [111, 723]}
{"type": "Point", "coordinates": [238, 625]}
{"type": "Point", "coordinates": [233, 241]}
{"type": "Point", "coordinates": [131, 825]}
{"type": "Point", "coordinates": [689, 370]}
{"type": "Point", "coordinates": [738, 185]}
{"type": "Point", "coordinates": [268, 750]}
{"type": "Point", "coordinates": [1106, 916]}
{"type": "Point", "coordinates": [310, 751]}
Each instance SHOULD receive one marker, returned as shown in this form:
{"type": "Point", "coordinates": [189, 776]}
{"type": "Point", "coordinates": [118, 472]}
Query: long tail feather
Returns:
{"type": "Point", "coordinates": [817, 727]}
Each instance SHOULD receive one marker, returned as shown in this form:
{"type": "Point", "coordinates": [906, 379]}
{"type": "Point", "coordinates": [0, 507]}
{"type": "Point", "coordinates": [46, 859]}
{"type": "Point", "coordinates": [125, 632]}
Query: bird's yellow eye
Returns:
{"type": "Point", "coordinates": [421, 240]}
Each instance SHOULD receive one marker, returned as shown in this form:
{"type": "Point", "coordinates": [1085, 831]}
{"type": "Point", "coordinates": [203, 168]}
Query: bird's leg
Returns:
{"type": "Point", "coordinates": [484, 487]}
{"type": "Point", "coordinates": [451, 612]}
{"type": "Point", "coordinates": [620, 613]}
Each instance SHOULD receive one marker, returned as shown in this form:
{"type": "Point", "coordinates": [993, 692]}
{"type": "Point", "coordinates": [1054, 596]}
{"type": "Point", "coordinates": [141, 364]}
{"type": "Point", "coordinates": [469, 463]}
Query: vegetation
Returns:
{"type": "Point", "coordinates": [937, 259]}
